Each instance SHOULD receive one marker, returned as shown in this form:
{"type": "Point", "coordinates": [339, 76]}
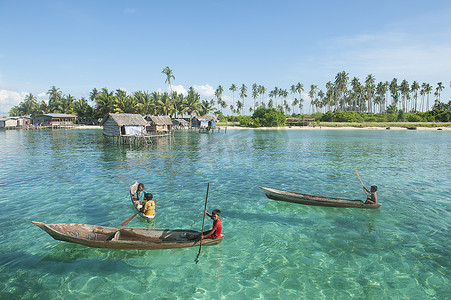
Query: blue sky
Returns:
{"type": "Point", "coordinates": [80, 45]}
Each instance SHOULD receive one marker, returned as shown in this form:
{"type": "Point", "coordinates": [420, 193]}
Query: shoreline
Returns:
{"type": "Point", "coordinates": [222, 127]}
{"type": "Point", "coordinates": [337, 128]}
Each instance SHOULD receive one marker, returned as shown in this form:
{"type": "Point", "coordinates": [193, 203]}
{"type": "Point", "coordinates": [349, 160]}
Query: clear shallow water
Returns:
{"type": "Point", "coordinates": [271, 250]}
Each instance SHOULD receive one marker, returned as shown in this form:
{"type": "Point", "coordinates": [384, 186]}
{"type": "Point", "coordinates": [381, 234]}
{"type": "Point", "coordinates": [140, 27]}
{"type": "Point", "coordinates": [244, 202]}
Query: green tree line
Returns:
{"type": "Point", "coordinates": [342, 94]}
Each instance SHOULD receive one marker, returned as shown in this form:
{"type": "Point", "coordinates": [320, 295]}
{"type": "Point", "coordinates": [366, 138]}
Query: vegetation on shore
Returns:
{"type": "Point", "coordinates": [344, 100]}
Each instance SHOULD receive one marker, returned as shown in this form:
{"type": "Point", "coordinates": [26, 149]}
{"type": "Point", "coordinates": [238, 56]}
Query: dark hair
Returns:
{"type": "Point", "coordinates": [148, 196]}
{"type": "Point", "coordinates": [141, 184]}
{"type": "Point", "coordinates": [373, 188]}
{"type": "Point", "coordinates": [216, 212]}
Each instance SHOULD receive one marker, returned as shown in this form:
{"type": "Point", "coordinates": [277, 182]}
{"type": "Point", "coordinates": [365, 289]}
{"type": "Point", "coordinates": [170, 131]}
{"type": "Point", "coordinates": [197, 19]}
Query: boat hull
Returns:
{"type": "Point", "coordinates": [307, 199]}
{"type": "Point", "coordinates": [125, 237]}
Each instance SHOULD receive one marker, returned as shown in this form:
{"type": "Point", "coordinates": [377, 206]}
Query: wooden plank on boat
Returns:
{"type": "Point", "coordinates": [125, 237]}
{"type": "Point", "coordinates": [308, 199]}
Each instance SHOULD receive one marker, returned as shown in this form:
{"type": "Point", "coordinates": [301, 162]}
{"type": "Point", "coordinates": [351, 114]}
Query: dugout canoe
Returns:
{"type": "Point", "coordinates": [125, 237]}
{"type": "Point", "coordinates": [308, 199]}
{"type": "Point", "coordinates": [137, 205]}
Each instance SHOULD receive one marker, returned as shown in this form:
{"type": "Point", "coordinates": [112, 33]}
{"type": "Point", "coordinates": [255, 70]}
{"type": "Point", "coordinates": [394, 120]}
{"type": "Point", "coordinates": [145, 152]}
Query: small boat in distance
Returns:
{"type": "Point", "coordinates": [125, 237]}
{"type": "Point", "coordinates": [138, 205]}
{"type": "Point", "coordinates": [308, 199]}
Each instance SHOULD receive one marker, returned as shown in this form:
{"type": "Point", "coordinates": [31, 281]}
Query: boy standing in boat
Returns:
{"type": "Point", "coordinates": [215, 232]}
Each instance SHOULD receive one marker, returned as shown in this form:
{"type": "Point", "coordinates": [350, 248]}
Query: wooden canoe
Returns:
{"type": "Point", "coordinates": [125, 237]}
{"type": "Point", "coordinates": [308, 199]}
{"type": "Point", "coordinates": [137, 205]}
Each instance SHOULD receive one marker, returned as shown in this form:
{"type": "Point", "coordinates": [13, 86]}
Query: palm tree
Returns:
{"type": "Point", "coordinates": [205, 107]}
{"type": "Point", "coordinates": [394, 91]}
{"type": "Point", "coordinates": [104, 103]}
{"type": "Point", "coordinates": [218, 94]}
{"type": "Point", "coordinates": [254, 92]}
{"type": "Point", "coordinates": [243, 95]}
{"type": "Point", "coordinates": [414, 90]}
{"type": "Point", "coordinates": [66, 104]}
{"type": "Point", "coordinates": [341, 86]}
{"type": "Point", "coordinates": [439, 89]}
{"type": "Point", "coordinates": [261, 91]}
{"type": "Point", "coordinates": [192, 103]}
{"type": "Point", "coordinates": [405, 94]}
{"type": "Point", "coordinates": [312, 94]}
{"type": "Point", "coordinates": [169, 75]}
{"type": "Point", "coordinates": [233, 88]}
{"type": "Point", "coordinates": [55, 96]}
{"type": "Point", "coordinates": [428, 90]}
{"type": "Point", "coordinates": [123, 103]}
{"type": "Point", "coordinates": [370, 91]}
{"type": "Point", "coordinates": [29, 106]}
{"type": "Point", "coordinates": [381, 90]}
{"type": "Point", "coordinates": [93, 95]}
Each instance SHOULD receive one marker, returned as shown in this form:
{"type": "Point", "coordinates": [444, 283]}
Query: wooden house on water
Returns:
{"type": "Point", "coordinates": [180, 124]}
{"type": "Point", "coordinates": [160, 125]}
{"type": "Point", "coordinates": [125, 128]}
{"type": "Point", "coordinates": [8, 123]}
{"type": "Point", "coordinates": [55, 120]}
{"type": "Point", "coordinates": [204, 122]}
{"type": "Point", "coordinates": [15, 122]}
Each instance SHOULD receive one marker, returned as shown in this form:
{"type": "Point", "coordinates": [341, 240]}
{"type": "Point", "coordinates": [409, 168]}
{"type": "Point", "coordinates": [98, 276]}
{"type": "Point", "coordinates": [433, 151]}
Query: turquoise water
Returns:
{"type": "Point", "coordinates": [272, 249]}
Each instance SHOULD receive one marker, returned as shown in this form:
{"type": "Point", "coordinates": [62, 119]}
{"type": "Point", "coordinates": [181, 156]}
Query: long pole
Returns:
{"type": "Point", "coordinates": [361, 182]}
{"type": "Point", "coordinates": [203, 223]}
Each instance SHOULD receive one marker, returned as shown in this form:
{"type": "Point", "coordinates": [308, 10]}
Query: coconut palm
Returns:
{"type": "Point", "coordinates": [414, 90]}
{"type": "Point", "coordinates": [254, 93]}
{"type": "Point", "coordinates": [370, 91]}
{"type": "Point", "coordinates": [428, 90]}
{"type": "Point", "coordinates": [104, 103]}
{"type": "Point", "coordinates": [233, 88]}
{"type": "Point", "coordinates": [218, 94]}
{"type": "Point", "coordinates": [262, 92]}
{"type": "Point", "coordinates": [243, 95]}
{"type": "Point", "coordinates": [169, 75]}
{"type": "Point", "coordinates": [55, 96]}
{"type": "Point", "coordinates": [312, 94]}
{"type": "Point", "coordinates": [341, 86]}
{"type": "Point", "coordinates": [405, 94]}
{"type": "Point", "coordinates": [192, 103]}
{"type": "Point", "coordinates": [439, 89]}
{"type": "Point", "coordinates": [393, 87]}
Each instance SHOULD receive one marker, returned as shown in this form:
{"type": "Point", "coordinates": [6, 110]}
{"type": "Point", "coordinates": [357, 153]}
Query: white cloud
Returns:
{"type": "Point", "coordinates": [8, 99]}
{"type": "Point", "coordinates": [205, 91]}
{"type": "Point", "coordinates": [179, 89]}
{"type": "Point", "coordinates": [390, 55]}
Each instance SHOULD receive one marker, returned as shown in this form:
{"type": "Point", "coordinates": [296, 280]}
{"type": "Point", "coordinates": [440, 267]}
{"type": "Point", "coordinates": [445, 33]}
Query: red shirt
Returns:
{"type": "Point", "coordinates": [217, 228]}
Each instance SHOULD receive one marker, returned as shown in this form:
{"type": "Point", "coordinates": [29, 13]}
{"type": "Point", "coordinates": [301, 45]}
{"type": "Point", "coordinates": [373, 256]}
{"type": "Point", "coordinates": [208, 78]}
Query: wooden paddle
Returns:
{"type": "Point", "coordinates": [126, 221]}
{"type": "Point", "coordinates": [361, 182]}
{"type": "Point", "coordinates": [203, 222]}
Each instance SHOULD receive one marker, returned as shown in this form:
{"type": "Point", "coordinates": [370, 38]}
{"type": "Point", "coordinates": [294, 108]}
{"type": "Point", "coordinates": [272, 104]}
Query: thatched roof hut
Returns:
{"type": "Point", "coordinates": [159, 123]}
{"type": "Point", "coordinates": [180, 123]}
{"type": "Point", "coordinates": [115, 125]}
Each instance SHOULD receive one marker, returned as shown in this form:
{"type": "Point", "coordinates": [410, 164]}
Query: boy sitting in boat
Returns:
{"type": "Point", "coordinates": [144, 199]}
{"type": "Point", "coordinates": [372, 198]}
{"type": "Point", "coordinates": [215, 232]}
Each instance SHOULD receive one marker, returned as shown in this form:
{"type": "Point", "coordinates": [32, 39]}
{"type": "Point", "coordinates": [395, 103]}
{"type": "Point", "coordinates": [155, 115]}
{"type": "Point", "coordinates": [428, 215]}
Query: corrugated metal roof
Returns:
{"type": "Point", "coordinates": [125, 119]}
{"type": "Point", "coordinates": [58, 115]}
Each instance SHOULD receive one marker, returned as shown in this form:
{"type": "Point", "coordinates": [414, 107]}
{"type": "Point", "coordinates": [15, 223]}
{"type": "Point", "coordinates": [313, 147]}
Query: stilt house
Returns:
{"type": "Point", "coordinates": [159, 124]}
{"type": "Point", "coordinates": [117, 125]}
{"type": "Point", "coordinates": [204, 122]}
